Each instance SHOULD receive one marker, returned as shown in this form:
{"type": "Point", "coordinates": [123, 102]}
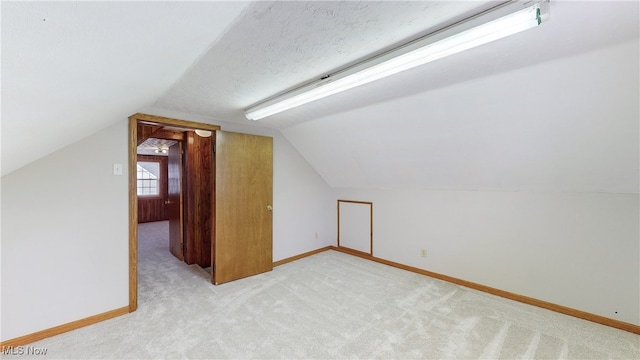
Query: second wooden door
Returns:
{"type": "Point", "coordinates": [243, 198]}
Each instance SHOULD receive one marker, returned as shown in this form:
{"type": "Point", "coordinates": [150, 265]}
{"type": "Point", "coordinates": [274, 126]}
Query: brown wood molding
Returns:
{"type": "Point", "coordinates": [298, 257]}
{"type": "Point", "coordinates": [354, 252]}
{"type": "Point", "coordinates": [169, 135]}
{"type": "Point", "coordinates": [145, 131]}
{"type": "Point", "coordinates": [154, 119]}
{"type": "Point", "coordinates": [356, 202]}
{"type": "Point", "coordinates": [133, 215]}
{"type": "Point", "coordinates": [502, 293]}
{"type": "Point", "coordinates": [28, 339]}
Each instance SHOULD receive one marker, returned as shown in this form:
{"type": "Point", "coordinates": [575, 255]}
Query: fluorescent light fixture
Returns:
{"type": "Point", "coordinates": [504, 20]}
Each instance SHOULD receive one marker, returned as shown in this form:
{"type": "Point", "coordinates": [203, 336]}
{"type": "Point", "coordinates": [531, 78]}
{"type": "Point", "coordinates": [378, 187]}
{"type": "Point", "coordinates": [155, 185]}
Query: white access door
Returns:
{"type": "Point", "coordinates": [355, 227]}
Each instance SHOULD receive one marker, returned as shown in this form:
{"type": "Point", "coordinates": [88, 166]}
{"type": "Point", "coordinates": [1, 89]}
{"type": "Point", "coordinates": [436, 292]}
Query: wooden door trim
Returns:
{"type": "Point", "coordinates": [133, 198]}
{"type": "Point", "coordinates": [133, 215]}
{"type": "Point", "coordinates": [161, 120]}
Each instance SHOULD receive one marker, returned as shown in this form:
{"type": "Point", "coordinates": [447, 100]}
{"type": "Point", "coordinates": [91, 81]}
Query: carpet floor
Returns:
{"type": "Point", "coordinates": [327, 306]}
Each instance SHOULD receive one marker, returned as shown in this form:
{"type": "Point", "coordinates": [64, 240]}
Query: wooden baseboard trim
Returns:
{"type": "Point", "coordinates": [358, 253]}
{"type": "Point", "coordinates": [28, 339]}
{"type": "Point", "coordinates": [502, 293]}
{"type": "Point", "coordinates": [298, 257]}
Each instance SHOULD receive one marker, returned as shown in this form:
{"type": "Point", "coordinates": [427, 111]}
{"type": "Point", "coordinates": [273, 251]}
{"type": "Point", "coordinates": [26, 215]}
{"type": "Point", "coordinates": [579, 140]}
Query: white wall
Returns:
{"type": "Point", "coordinates": [65, 235]}
{"type": "Point", "coordinates": [302, 204]}
{"type": "Point", "coordinates": [579, 250]}
{"type": "Point", "coordinates": [525, 180]}
{"type": "Point", "coordinates": [302, 200]}
{"type": "Point", "coordinates": [65, 228]}
{"type": "Point", "coordinates": [569, 124]}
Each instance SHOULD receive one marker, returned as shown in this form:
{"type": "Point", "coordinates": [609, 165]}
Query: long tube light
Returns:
{"type": "Point", "coordinates": [504, 20]}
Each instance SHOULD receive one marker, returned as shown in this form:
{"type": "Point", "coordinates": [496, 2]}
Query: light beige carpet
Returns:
{"type": "Point", "coordinates": [327, 306]}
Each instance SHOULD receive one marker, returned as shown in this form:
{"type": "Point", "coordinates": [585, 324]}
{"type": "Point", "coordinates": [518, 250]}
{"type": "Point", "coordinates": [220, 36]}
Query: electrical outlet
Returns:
{"type": "Point", "coordinates": [423, 253]}
{"type": "Point", "coordinates": [316, 236]}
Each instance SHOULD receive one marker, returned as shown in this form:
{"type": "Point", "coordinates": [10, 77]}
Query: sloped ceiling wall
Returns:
{"type": "Point", "coordinates": [554, 108]}
{"type": "Point", "coordinates": [565, 125]}
{"type": "Point", "coordinates": [551, 109]}
{"type": "Point", "coordinates": [70, 69]}
{"type": "Point", "coordinates": [278, 45]}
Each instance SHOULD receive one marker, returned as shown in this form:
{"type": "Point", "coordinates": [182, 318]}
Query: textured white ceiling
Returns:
{"type": "Point", "coordinates": [151, 145]}
{"type": "Point", "coordinates": [274, 46]}
{"type": "Point", "coordinates": [277, 45]}
{"type": "Point", "coordinates": [511, 115]}
{"type": "Point", "coordinates": [551, 109]}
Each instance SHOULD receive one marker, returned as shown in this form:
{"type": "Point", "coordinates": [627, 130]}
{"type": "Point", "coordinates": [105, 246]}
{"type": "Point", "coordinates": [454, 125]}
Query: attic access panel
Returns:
{"type": "Point", "coordinates": [355, 225]}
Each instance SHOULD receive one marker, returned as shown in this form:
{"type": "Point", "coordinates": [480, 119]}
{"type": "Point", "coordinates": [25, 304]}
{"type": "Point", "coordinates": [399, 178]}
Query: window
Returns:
{"type": "Point", "coordinates": [148, 178]}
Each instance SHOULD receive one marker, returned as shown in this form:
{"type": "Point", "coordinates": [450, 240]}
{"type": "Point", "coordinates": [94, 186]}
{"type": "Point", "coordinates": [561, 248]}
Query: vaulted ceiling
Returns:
{"type": "Point", "coordinates": [553, 109]}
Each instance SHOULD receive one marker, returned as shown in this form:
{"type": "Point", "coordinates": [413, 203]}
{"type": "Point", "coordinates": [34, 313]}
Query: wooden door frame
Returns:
{"type": "Point", "coordinates": [133, 195]}
{"type": "Point", "coordinates": [370, 224]}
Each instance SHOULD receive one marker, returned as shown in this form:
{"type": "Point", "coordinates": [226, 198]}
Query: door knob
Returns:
{"type": "Point", "coordinates": [269, 207]}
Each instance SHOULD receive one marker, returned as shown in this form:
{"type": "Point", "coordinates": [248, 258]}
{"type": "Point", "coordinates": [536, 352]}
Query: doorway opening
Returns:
{"type": "Point", "coordinates": [226, 201]}
{"type": "Point", "coordinates": [169, 206]}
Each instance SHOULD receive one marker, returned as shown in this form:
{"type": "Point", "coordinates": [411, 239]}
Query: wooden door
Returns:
{"type": "Point", "coordinates": [197, 200]}
{"type": "Point", "coordinates": [174, 200]}
{"type": "Point", "coordinates": [243, 198]}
